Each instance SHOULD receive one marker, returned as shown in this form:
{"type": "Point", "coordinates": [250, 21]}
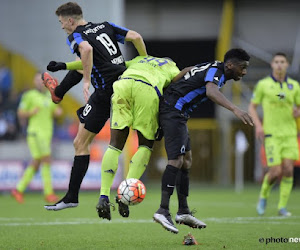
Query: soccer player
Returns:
{"type": "Point", "coordinates": [96, 44]}
{"type": "Point", "coordinates": [135, 104]}
{"type": "Point", "coordinates": [201, 82]}
{"type": "Point", "coordinates": [36, 107]}
{"type": "Point", "coordinates": [279, 96]}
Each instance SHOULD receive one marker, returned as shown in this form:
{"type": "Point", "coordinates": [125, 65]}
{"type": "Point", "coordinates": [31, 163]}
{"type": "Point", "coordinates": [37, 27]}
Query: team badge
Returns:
{"type": "Point", "coordinates": [290, 86]}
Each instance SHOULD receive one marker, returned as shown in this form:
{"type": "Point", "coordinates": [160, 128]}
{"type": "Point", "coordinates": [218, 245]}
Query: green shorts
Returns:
{"type": "Point", "coordinates": [279, 148]}
{"type": "Point", "coordinates": [135, 104]}
{"type": "Point", "coordinates": [39, 145]}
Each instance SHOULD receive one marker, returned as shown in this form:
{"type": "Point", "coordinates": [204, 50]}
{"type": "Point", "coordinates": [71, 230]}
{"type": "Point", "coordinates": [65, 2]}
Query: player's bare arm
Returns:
{"type": "Point", "coordinates": [213, 93]}
{"type": "Point", "coordinates": [22, 114]}
{"type": "Point", "coordinates": [86, 52]}
{"type": "Point", "coordinates": [138, 42]}
{"type": "Point", "coordinates": [259, 131]}
{"type": "Point", "coordinates": [182, 73]}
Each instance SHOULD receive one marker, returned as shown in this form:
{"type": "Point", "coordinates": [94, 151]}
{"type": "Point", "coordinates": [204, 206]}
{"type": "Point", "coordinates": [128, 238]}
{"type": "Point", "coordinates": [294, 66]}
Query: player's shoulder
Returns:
{"type": "Point", "coordinates": [292, 81]}
{"type": "Point", "coordinates": [265, 80]}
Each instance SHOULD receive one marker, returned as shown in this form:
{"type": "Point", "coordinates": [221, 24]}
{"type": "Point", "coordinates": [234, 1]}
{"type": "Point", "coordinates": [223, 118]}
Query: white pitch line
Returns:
{"type": "Point", "coordinates": [10, 222]}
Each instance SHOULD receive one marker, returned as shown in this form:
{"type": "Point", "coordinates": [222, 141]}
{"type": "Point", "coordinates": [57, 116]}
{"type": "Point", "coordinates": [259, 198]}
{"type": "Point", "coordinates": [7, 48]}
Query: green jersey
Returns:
{"type": "Point", "coordinates": [158, 72]}
{"type": "Point", "coordinates": [42, 121]}
{"type": "Point", "coordinates": [278, 100]}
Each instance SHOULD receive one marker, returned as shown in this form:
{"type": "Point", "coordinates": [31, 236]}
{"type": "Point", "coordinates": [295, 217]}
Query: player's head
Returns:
{"type": "Point", "coordinates": [68, 15]}
{"type": "Point", "coordinates": [38, 82]}
{"type": "Point", "coordinates": [236, 62]}
{"type": "Point", "coordinates": [279, 63]}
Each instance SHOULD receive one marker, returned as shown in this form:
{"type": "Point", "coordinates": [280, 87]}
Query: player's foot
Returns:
{"type": "Point", "coordinates": [261, 206]}
{"type": "Point", "coordinates": [51, 83]}
{"type": "Point", "coordinates": [66, 202]}
{"type": "Point", "coordinates": [163, 217]}
{"type": "Point", "coordinates": [123, 208]}
{"type": "Point", "coordinates": [103, 208]}
{"type": "Point", "coordinates": [284, 212]}
{"type": "Point", "coordinates": [17, 195]}
{"type": "Point", "coordinates": [189, 220]}
{"type": "Point", "coordinates": [51, 198]}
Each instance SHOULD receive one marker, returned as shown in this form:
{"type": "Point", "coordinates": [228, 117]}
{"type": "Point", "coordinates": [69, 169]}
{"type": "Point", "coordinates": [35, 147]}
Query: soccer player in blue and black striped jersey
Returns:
{"type": "Point", "coordinates": [199, 83]}
{"type": "Point", "coordinates": [96, 44]}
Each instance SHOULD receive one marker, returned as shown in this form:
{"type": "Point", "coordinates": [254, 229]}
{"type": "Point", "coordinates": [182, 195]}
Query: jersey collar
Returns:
{"type": "Point", "coordinates": [274, 79]}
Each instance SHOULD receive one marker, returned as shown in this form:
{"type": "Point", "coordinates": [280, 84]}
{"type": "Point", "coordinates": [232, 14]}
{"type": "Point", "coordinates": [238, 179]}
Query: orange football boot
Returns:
{"type": "Point", "coordinates": [51, 83]}
{"type": "Point", "coordinates": [18, 196]}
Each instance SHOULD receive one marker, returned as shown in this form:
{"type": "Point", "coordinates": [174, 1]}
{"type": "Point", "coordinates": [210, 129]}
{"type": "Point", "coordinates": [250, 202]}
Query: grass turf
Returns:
{"type": "Point", "coordinates": [231, 221]}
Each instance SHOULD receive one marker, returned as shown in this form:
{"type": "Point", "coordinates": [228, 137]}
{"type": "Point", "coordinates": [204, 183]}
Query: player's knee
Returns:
{"type": "Point", "coordinates": [176, 162]}
{"type": "Point", "coordinates": [187, 162]}
{"type": "Point", "coordinates": [274, 173]}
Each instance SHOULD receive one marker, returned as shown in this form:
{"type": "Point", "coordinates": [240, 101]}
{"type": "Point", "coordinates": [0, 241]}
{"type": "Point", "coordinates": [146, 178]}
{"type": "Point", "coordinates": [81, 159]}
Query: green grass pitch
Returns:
{"type": "Point", "coordinates": [231, 221]}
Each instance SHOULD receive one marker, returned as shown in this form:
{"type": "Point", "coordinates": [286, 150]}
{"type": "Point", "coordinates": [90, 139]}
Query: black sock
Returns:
{"type": "Point", "coordinates": [167, 185]}
{"type": "Point", "coordinates": [70, 80]}
{"type": "Point", "coordinates": [182, 187]}
{"type": "Point", "coordinates": [80, 166]}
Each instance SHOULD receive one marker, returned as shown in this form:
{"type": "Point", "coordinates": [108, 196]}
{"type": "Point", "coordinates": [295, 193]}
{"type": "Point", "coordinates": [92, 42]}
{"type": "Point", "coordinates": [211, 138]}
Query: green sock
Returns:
{"type": "Point", "coordinates": [266, 188]}
{"type": "Point", "coordinates": [139, 162]}
{"type": "Point", "coordinates": [27, 176]}
{"type": "Point", "coordinates": [285, 188]}
{"type": "Point", "coordinates": [109, 168]}
{"type": "Point", "coordinates": [46, 176]}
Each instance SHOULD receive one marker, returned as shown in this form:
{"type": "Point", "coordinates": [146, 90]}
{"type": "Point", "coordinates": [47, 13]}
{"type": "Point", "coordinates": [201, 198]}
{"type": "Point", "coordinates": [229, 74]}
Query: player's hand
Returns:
{"type": "Point", "coordinates": [35, 111]}
{"type": "Point", "coordinates": [244, 116]}
{"type": "Point", "coordinates": [86, 92]}
{"type": "Point", "coordinates": [296, 112]}
{"type": "Point", "coordinates": [54, 66]}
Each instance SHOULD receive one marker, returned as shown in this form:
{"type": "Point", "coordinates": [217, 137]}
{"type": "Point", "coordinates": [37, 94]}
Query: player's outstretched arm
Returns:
{"type": "Point", "coordinates": [213, 93]}
{"type": "Point", "coordinates": [54, 66]}
{"type": "Point", "coordinates": [138, 42]}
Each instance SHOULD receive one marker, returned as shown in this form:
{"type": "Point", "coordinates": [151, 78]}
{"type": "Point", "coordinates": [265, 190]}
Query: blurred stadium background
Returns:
{"type": "Point", "coordinates": [225, 151]}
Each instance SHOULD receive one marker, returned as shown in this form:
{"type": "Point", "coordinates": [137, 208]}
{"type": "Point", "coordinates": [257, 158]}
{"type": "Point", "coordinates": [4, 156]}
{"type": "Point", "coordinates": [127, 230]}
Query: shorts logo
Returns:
{"type": "Point", "coordinates": [87, 109]}
{"type": "Point", "coordinates": [182, 150]}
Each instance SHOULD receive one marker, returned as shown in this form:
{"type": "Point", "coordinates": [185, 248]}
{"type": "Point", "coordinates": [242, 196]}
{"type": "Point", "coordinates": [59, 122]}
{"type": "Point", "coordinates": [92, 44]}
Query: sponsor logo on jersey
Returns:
{"type": "Point", "coordinates": [118, 60]}
{"type": "Point", "coordinates": [109, 171]}
{"type": "Point", "coordinates": [281, 96]}
{"type": "Point", "coordinates": [94, 30]}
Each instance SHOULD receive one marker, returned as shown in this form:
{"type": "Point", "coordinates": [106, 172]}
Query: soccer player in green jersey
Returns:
{"type": "Point", "coordinates": [135, 104]}
{"type": "Point", "coordinates": [279, 96]}
{"type": "Point", "coordinates": [37, 107]}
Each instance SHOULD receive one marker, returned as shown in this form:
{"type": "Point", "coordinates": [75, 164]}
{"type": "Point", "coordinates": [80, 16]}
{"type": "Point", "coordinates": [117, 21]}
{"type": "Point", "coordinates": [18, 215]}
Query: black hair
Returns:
{"type": "Point", "coordinates": [236, 54]}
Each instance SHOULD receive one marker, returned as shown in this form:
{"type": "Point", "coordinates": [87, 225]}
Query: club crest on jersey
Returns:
{"type": "Point", "coordinates": [281, 96]}
{"type": "Point", "coordinates": [290, 86]}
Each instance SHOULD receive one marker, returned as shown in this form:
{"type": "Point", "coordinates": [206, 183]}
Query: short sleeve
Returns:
{"type": "Point", "coordinates": [25, 102]}
{"type": "Point", "coordinates": [257, 93]}
{"type": "Point", "coordinates": [214, 75]}
{"type": "Point", "coordinates": [120, 32]}
{"type": "Point", "coordinates": [74, 40]}
{"type": "Point", "coordinates": [297, 95]}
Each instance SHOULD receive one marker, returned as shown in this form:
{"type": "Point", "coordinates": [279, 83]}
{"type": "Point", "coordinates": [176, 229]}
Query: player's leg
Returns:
{"type": "Point", "coordinates": [290, 153]}
{"type": "Point", "coordinates": [120, 120]}
{"type": "Point", "coordinates": [286, 185]}
{"type": "Point", "coordinates": [92, 117]}
{"type": "Point", "coordinates": [46, 177]}
{"type": "Point", "coordinates": [184, 215]}
{"type": "Point", "coordinates": [176, 140]}
{"type": "Point", "coordinates": [273, 155]}
{"type": "Point", "coordinates": [59, 90]}
{"type": "Point", "coordinates": [109, 168]}
{"type": "Point", "coordinates": [31, 168]}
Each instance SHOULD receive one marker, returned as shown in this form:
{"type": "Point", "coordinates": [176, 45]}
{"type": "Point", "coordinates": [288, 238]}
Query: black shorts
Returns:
{"type": "Point", "coordinates": [95, 113]}
{"type": "Point", "coordinates": [173, 123]}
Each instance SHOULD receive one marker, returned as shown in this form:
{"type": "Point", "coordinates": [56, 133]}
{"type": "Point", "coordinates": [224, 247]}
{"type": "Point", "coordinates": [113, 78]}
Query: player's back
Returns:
{"type": "Point", "coordinates": [108, 62]}
{"type": "Point", "coordinates": [154, 70]}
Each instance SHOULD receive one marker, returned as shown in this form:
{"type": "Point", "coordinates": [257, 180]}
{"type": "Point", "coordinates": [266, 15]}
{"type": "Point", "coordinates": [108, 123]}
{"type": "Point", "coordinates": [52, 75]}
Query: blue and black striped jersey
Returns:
{"type": "Point", "coordinates": [187, 93]}
{"type": "Point", "coordinates": [108, 62]}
